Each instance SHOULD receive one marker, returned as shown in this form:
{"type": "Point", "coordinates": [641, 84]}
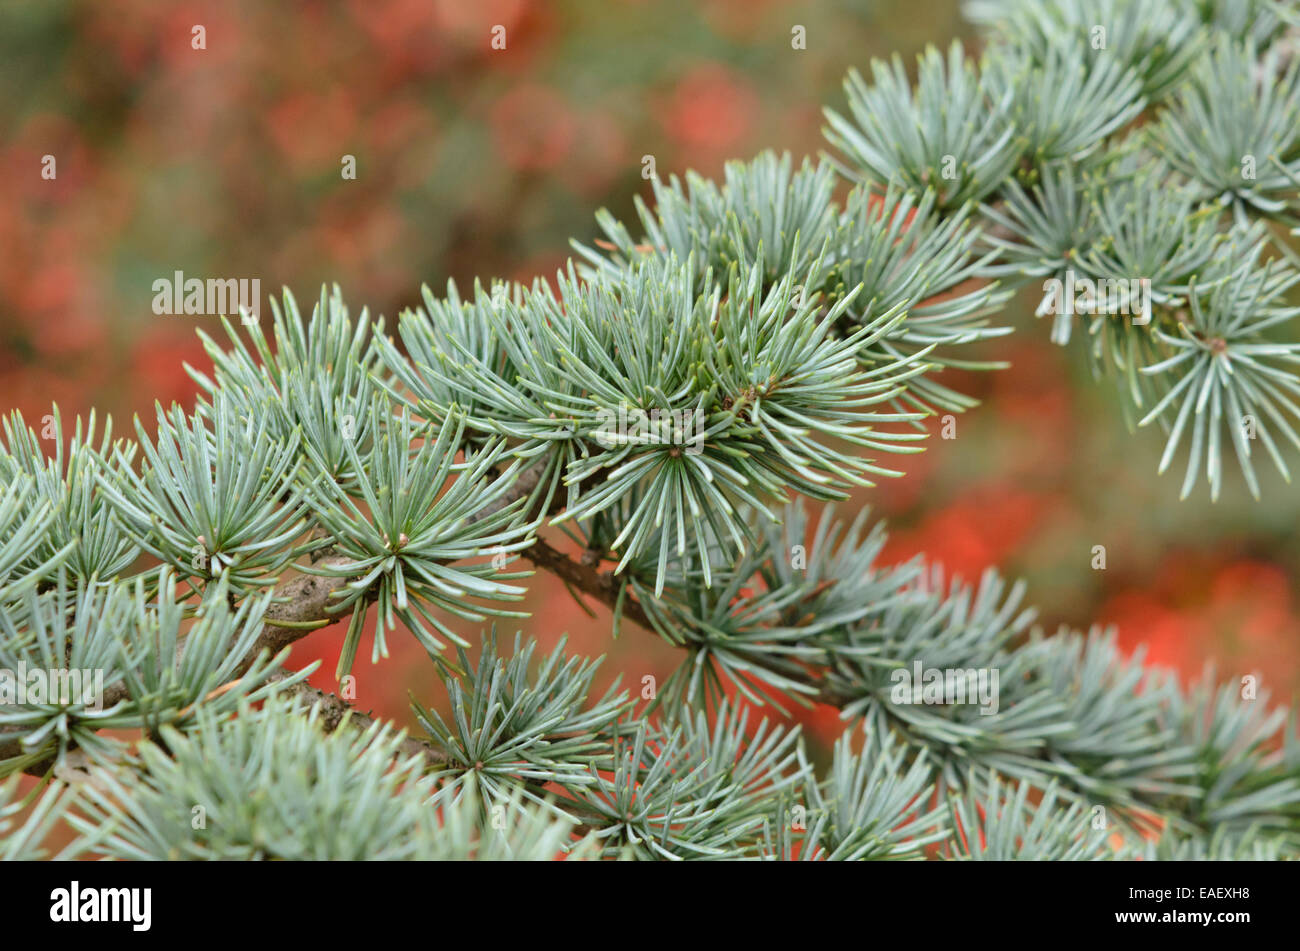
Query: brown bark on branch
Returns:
{"type": "Point", "coordinates": [307, 597]}
{"type": "Point", "coordinates": [302, 600]}
{"type": "Point", "coordinates": [602, 585]}
{"type": "Point", "coordinates": [333, 709]}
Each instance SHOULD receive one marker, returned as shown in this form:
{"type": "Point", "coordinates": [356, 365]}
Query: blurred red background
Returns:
{"type": "Point", "coordinates": [480, 162]}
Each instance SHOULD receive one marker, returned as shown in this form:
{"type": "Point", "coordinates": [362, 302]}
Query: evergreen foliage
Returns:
{"type": "Point", "coordinates": [667, 408]}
